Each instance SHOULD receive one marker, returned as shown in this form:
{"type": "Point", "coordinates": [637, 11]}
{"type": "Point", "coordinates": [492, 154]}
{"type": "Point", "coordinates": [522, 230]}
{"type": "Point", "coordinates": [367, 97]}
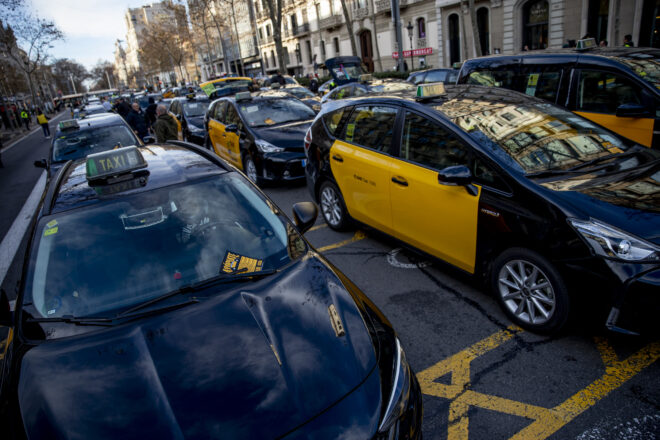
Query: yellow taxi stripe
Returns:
{"type": "Point", "coordinates": [359, 235]}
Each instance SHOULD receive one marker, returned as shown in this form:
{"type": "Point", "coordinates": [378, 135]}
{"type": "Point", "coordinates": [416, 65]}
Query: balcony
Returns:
{"type": "Point", "coordinates": [330, 22]}
{"type": "Point", "coordinates": [383, 6]}
{"type": "Point", "coordinates": [301, 29]}
{"type": "Point", "coordinates": [360, 13]}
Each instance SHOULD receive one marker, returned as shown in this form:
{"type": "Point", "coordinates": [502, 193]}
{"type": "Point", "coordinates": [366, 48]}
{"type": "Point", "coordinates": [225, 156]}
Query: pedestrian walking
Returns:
{"type": "Point", "coordinates": [150, 114]}
{"type": "Point", "coordinates": [627, 41]}
{"type": "Point", "coordinates": [165, 127]}
{"type": "Point", "coordinates": [43, 121]}
{"type": "Point", "coordinates": [25, 118]}
{"type": "Point", "coordinates": [137, 120]}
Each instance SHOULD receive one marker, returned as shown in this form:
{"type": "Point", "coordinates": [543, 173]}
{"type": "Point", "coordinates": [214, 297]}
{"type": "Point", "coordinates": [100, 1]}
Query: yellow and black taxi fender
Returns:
{"type": "Point", "coordinates": [506, 187]}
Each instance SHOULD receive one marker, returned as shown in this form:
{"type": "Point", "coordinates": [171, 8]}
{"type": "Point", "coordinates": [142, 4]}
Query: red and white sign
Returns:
{"type": "Point", "coordinates": [415, 53]}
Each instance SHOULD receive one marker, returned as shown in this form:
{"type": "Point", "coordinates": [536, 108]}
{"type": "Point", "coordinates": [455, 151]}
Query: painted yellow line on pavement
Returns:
{"type": "Point", "coordinates": [546, 421]}
{"type": "Point", "coordinates": [314, 228]}
{"type": "Point", "coordinates": [359, 235]}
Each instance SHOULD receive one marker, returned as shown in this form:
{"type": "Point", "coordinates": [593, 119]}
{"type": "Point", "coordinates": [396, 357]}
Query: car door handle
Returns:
{"type": "Point", "coordinates": [337, 158]}
{"type": "Point", "coordinates": [400, 181]}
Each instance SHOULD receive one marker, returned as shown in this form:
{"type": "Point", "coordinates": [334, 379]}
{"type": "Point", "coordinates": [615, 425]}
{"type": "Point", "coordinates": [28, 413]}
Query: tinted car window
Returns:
{"type": "Point", "coordinates": [194, 108]}
{"type": "Point", "coordinates": [493, 78]}
{"type": "Point", "coordinates": [231, 117]}
{"type": "Point", "coordinates": [265, 112]}
{"type": "Point", "coordinates": [436, 76]}
{"type": "Point", "coordinates": [372, 127]}
{"type": "Point", "coordinates": [427, 143]}
{"type": "Point", "coordinates": [542, 82]}
{"type": "Point", "coordinates": [80, 143]}
{"type": "Point", "coordinates": [333, 119]}
{"type": "Point", "coordinates": [219, 112]}
{"type": "Point", "coordinates": [603, 92]}
{"type": "Point", "coordinates": [154, 242]}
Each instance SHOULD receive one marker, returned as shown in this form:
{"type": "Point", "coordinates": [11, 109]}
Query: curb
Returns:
{"type": "Point", "coordinates": [24, 135]}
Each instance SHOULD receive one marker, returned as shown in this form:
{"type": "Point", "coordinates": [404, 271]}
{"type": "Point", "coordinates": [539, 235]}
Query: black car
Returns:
{"type": "Point", "coordinates": [77, 138]}
{"type": "Point", "coordinates": [305, 95]}
{"type": "Point", "coordinates": [189, 113]}
{"type": "Point", "coordinates": [543, 204]}
{"type": "Point", "coordinates": [368, 86]}
{"type": "Point", "coordinates": [447, 76]}
{"type": "Point", "coordinates": [261, 133]}
{"type": "Point", "coordinates": [165, 296]}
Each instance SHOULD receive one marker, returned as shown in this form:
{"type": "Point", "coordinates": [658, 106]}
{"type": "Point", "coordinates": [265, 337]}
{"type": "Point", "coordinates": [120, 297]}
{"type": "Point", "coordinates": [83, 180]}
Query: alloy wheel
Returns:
{"type": "Point", "coordinates": [331, 206]}
{"type": "Point", "coordinates": [527, 292]}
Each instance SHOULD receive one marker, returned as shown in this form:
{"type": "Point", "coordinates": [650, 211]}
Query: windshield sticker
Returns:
{"type": "Point", "coordinates": [250, 109]}
{"type": "Point", "coordinates": [50, 231]}
{"type": "Point", "coordinates": [52, 223]}
{"type": "Point", "coordinates": [350, 128]}
{"type": "Point", "coordinates": [234, 262]}
{"type": "Point", "coordinates": [531, 84]}
{"type": "Point", "coordinates": [269, 121]}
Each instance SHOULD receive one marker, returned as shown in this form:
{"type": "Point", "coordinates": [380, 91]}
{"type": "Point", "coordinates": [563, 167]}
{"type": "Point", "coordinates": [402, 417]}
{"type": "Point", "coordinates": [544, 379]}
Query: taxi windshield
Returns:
{"type": "Point", "coordinates": [392, 87]}
{"type": "Point", "coordinates": [231, 87]}
{"type": "Point", "coordinates": [266, 112]}
{"type": "Point", "coordinates": [538, 137]}
{"type": "Point", "coordinates": [645, 66]}
{"type": "Point", "coordinates": [195, 108]}
{"type": "Point", "coordinates": [300, 92]}
{"type": "Point", "coordinates": [347, 72]}
{"type": "Point", "coordinates": [132, 249]}
{"type": "Point", "coordinates": [76, 143]}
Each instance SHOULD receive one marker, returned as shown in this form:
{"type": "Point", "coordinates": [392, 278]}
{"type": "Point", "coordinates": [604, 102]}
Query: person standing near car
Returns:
{"type": "Point", "coordinates": [137, 120]}
{"type": "Point", "coordinates": [150, 113]}
{"type": "Point", "coordinates": [25, 118]}
{"type": "Point", "coordinates": [165, 127]}
{"type": "Point", "coordinates": [43, 121]}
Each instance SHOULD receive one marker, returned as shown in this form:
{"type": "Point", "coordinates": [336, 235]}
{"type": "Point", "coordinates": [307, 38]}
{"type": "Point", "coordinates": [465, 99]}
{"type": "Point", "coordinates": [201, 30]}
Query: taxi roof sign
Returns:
{"type": "Point", "coordinates": [243, 96]}
{"type": "Point", "coordinates": [114, 162]}
{"type": "Point", "coordinates": [70, 124]}
{"type": "Point", "coordinates": [430, 90]}
{"type": "Point", "coordinates": [587, 43]}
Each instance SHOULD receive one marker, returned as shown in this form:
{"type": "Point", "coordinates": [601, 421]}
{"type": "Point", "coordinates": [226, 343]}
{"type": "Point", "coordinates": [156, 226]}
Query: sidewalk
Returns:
{"type": "Point", "coordinates": [9, 137]}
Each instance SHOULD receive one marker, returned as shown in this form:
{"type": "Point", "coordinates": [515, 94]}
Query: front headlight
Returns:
{"type": "Point", "coordinates": [609, 242]}
{"type": "Point", "coordinates": [267, 147]}
{"type": "Point", "coordinates": [400, 393]}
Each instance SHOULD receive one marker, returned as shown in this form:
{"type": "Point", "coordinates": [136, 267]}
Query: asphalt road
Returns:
{"type": "Point", "coordinates": [482, 378]}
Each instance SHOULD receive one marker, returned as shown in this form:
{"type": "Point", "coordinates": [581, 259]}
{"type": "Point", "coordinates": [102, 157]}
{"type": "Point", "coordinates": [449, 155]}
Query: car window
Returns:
{"type": "Point", "coordinates": [435, 76]}
{"type": "Point", "coordinates": [416, 78]}
{"type": "Point", "coordinates": [371, 126]}
{"type": "Point", "coordinates": [154, 242]}
{"type": "Point", "coordinates": [333, 119]}
{"type": "Point", "coordinates": [194, 108]}
{"type": "Point", "coordinates": [485, 175]}
{"type": "Point", "coordinates": [603, 92]}
{"type": "Point", "coordinates": [428, 143]}
{"type": "Point", "coordinates": [493, 78]}
{"type": "Point", "coordinates": [231, 117]}
{"type": "Point", "coordinates": [219, 113]}
{"type": "Point", "coordinates": [267, 112]}
{"type": "Point", "coordinates": [75, 144]}
{"type": "Point", "coordinates": [542, 82]}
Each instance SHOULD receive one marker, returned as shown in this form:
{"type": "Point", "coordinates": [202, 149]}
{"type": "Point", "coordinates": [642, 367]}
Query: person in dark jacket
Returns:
{"type": "Point", "coordinates": [150, 113]}
{"type": "Point", "coordinates": [122, 108]}
{"type": "Point", "coordinates": [137, 120]}
{"type": "Point", "coordinates": [165, 127]}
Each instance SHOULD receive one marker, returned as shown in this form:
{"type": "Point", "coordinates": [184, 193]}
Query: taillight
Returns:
{"type": "Point", "coordinates": [308, 139]}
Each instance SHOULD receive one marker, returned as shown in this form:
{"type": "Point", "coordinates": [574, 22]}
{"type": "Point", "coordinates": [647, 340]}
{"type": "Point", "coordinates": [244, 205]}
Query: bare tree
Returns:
{"type": "Point", "coordinates": [27, 43]}
{"type": "Point", "coordinates": [349, 27]}
{"type": "Point", "coordinates": [103, 75]}
{"type": "Point", "coordinates": [69, 75]}
{"type": "Point", "coordinates": [274, 8]}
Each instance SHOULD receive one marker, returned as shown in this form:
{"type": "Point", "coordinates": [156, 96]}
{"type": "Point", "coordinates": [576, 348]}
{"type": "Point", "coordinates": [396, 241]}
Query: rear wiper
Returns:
{"type": "Point", "coordinates": [238, 275]}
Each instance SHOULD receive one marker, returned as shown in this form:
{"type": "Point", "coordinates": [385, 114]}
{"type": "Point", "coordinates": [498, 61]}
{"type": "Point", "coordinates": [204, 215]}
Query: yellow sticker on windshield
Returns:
{"type": "Point", "coordinates": [269, 121]}
{"type": "Point", "coordinates": [236, 263]}
{"type": "Point", "coordinates": [52, 223]}
{"type": "Point", "coordinates": [50, 231]}
{"type": "Point", "coordinates": [350, 128]}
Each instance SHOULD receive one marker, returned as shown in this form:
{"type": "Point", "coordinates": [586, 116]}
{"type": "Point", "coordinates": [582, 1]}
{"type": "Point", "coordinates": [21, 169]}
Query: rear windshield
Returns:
{"type": "Point", "coordinates": [75, 144]}
{"type": "Point", "coordinates": [266, 112]}
{"type": "Point", "coordinates": [537, 137]}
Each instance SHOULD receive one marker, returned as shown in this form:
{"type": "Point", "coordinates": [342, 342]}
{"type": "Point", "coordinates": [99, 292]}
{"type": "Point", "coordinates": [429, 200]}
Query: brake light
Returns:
{"type": "Point", "coordinates": [308, 139]}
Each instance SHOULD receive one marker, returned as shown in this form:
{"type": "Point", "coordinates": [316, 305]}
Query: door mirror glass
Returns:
{"type": "Point", "coordinates": [231, 128]}
{"type": "Point", "coordinates": [304, 215]}
{"type": "Point", "coordinates": [633, 111]}
{"type": "Point", "coordinates": [149, 139]}
{"type": "Point", "coordinates": [458, 175]}
{"type": "Point", "coordinates": [41, 163]}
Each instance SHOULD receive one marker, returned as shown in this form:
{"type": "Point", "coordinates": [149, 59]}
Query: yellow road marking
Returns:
{"type": "Point", "coordinates": [359, 235]}
{"type": "Point", "coordinates": [314, 228]}
{"type": "Point", "coordinates": [546, 421]}
{"type": "Point", "coordinates": [5, 344]}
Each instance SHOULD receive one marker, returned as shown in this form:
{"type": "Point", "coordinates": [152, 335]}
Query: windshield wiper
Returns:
{"type": "Point", "coordinates": [239, 275]}
{"type": "Point", "coordinates": [601, 159]}
{"type": "Point", "coordinates": [80, 320]}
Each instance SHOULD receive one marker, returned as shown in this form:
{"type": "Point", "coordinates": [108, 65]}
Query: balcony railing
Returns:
{"type": "Point", "coordinates": [360, 13]}
{"type": "Point", "coordinates": [331, 21]}
{"type": "Point", "coordinates": [383, 6]}
{"type": "Point", "coordinates": [301, 29]}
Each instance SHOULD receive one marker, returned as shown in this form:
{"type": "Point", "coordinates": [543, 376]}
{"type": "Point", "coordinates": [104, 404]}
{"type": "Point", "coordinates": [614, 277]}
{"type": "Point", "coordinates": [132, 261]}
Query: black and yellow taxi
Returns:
{"type": "Point", "coordinates": [368, 85]}
{"type": "Point", "coordinates": [188, 113]}
{"type": "Point", "coordinates": [227, 86]}
{"type": "Point", "coordinates": [165, 296]}
{"type": "Point", "coordinates": [78, 138]}
{"type": "Point", "coordinates": [618, 87]}
{"type": "Point", "coordinates": [536, 200]}
{"type": "Point", "coordinates": [260, 133]}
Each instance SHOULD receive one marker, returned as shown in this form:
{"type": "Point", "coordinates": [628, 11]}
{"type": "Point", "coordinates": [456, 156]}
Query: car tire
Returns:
{"type": "Point", "coordinates": [250, 168]}
{"type": "Point", "coordinates": [333, 207]}
{"type": "Point", "coordinates": [530, 290]}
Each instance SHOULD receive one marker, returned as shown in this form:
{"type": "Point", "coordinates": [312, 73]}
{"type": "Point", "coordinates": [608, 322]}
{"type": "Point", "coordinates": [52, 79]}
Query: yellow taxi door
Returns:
{"type": "Point", "coordinates": [175, 112]}
{"type": "Point", "coordinates": [360, 163]}
{"type": "Point", "coordinates": [437, 218]}
{"type": "Point", "coordinates": [600, 93]}
{"type": "Point", "coordinates": [217, 129]}
{"type": "Point", "coordinates": [230, 139]}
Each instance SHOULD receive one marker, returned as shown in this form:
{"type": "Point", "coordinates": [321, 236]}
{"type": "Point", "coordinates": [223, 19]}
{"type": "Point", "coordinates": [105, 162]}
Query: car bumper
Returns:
{"type": "Point", "coordinates": [285, 166]}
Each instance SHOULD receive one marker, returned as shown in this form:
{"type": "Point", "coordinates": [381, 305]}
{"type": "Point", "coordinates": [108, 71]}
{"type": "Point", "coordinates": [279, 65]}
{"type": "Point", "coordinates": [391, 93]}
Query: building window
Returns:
{"type": "Point", "coordinates": [454, 39]}
{"type": "Point", "coordinates": [268, 30]}
{"type": "Point", "coordinates": [336, 42]}
{"type": "Point", "coordinates": [308, 45]}
{"type": "Point", "coordinates": [266, 59]}
{"type": "Point", "coordinates": [261, 34]}
{"type": "Point", "coordinates": [535, 25]}
{"type": "Point", "coordinates": [421, 28]}
{"type": "Point", "coordinates": [272, 57]}
{"type": "Point", "coordinates": [597, 20]}
{"type": "Point", "coordinates": [323, 54]}
{"type": "Point", "coordinates": [484, 30]}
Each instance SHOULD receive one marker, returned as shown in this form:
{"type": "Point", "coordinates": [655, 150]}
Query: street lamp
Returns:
{"type": "Point", "coordinates": [410, 35]}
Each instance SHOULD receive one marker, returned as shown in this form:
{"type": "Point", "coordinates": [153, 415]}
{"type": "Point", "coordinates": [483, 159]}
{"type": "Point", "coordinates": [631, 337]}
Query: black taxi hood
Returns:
{"type": "Point", "coordinates": [253, 362]}
{"type": "Point", "coordinates": [290, 135]}
{"type": "Point", "coordinates": [629, 202]}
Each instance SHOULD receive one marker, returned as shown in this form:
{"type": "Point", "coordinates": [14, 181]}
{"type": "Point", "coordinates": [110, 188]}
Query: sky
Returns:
{"type": "Point", "coordinates": [90, 27]}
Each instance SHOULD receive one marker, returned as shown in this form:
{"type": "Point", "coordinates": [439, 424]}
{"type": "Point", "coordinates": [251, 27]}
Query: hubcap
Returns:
{"type": "Point", "coordinates": [527, 292]}
{"type": "Point", "coordinates": [251, 170]}
{"type": "Point", "coordinates": [330, 206]}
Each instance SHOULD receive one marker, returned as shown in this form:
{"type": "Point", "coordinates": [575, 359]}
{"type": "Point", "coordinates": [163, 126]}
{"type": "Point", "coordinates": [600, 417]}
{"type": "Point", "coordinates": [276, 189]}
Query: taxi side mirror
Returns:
{"type": "Point", "coordinates": [231, 128]}
{"type": "Point", "coordinates": [41, 163]}
{"type": "Point", "coordinates": [149, 140]}
{"type": "Point", "coordinates": [304, 215]}
{"type": "Point", "coordinates": [6, 318]}
{"type": "Point", "coordinates": [633, 111]}
{"type": "Point", "coordinates": [458, 175]}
